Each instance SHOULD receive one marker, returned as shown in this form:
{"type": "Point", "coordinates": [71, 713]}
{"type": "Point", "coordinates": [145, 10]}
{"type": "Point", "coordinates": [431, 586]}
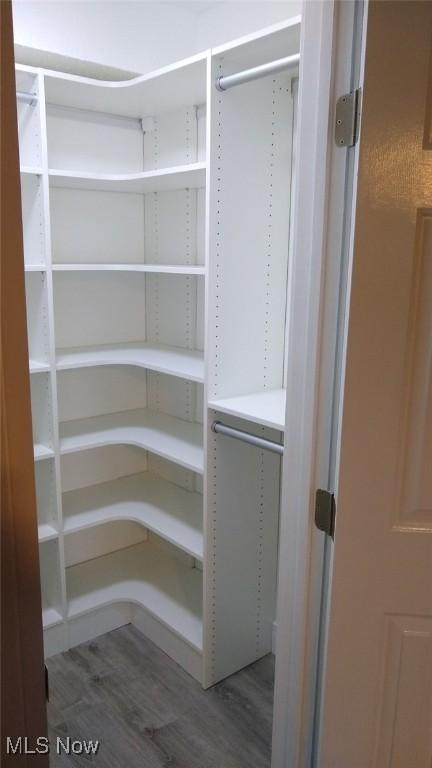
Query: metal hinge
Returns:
{"type": "Point", "coordinates": [325, 512]}
{"type": "Point", "coordinates": [347, 119]}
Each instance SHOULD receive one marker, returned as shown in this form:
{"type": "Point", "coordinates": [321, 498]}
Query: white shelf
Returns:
{"type": "Point", "coordinates": [27, 170]}
{"type": "Point", "coordinates": [168, 269]}
{"type": "Point", "coordinates": [164, 508]}
{"type": "Point", "coordinates": [173, 439]}
{"type": "Point", "coordinates": [264, 408]}
{"type": "Point", "coordinates": [34, 268]}
{"type": "Point", "coordinates": [46, 532]}
{"type": "Point", "coordinates": [36, 366]}
{"type": "Point", "coordinates": [42, 452]}
{"type": "Point", "coordinates": [175, 361]}
{"type": "Point", "coordinates": [51, 617]}
{"type": "Point", "coordinates": [165, 90]}
{"type": "Point", "coordinates": [177, 177]}
{"type": "Point", "coordinates": [144, 574]}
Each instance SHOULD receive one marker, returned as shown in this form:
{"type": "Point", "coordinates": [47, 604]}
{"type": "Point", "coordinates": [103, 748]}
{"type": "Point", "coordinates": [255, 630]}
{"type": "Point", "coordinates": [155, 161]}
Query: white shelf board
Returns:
{"type": "Point", "coordinates": [50, 617]}
{"type": "Point", "coordinates": [36, 366]}
{"type": "Point", "coordinates": [168, 269]}
{"type": "Point", "coordinates": [177, 177]}
{"type": "Point", "coordinates": [34, 268]}
{"type": "Point", "coordinates": [42, 452]}
{"type": "Point", "coordinates": [175, 361]}
{"type": "Point", "coordinates": [168, 510]}
{"type": "Point", "coordinates": [46, 532]}
{"type": "Point", "coordinates": [173, 439]}
{"type": "Point", "coordinates": [27, 170]}
{"type": "Point", "coordinates": [264, 408]}
{"type": "Point", "coordinates": [179, 85]}
{"type": "Point", "coordinates": [144, 574]}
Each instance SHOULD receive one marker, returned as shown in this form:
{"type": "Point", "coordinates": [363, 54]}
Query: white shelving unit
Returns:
{"type": "Point", "coordinates": [156, 247]}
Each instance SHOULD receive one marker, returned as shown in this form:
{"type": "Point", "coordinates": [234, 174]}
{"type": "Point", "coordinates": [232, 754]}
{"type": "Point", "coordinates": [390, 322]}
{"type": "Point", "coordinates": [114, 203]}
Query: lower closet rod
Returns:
{"type": "Point", "coordinates": [247, 437]}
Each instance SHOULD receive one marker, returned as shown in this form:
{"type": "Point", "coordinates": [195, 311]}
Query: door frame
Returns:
{"type": "Point", "coordinates": [332, 45]}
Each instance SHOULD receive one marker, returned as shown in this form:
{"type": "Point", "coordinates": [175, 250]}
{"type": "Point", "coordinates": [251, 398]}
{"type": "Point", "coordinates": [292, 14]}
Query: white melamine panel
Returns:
{"type": "Point", "coordinates": [46, 497]}
{"type": "Point", "coordinates": [176, 397]}
{"type": "Point", "coordinates": [50, 583]}
{"type": "Point", "coordinates": [29, 128]}
{"type": "Point", "coordinates": [164, 269]}
{"type": "Point", "coordinates": [167, 470]}
{"type": "Point", "coordinates": [249, 235]}
{"type": "Point", "coordinates": [37, 318]}
{"type": "Point", "coordinates": [98, 541]}
{"type": "Point", "coordinates": [261, 47]}
{"type": "Point", "coordinates": [164, 508]}
{"type": "Point", "coordinates": [164, 90]}
{"type": "Point", "coordinates": [171, 310]}
{"type": "Point", "coordinates": [179, 177]}
{"type": "Point", "coordinates": [33, 219]}
{"type": "Point", "coordinates": [147, 575]}
{"type": "Point", "coordinates": [88, 141]}
{"type": "Point", "coordinates": [201, 115]}
{"type": "Point", "coordinates": [171, 227]}
{"type": "Point", "coordinates": [201, 222]}
{"type": "Point", "coordinates": [167, 436]}
{"type": "Point", "coordinates": [42, 413]}
{"type": "Point", "coordinates": [170, 139]}
{"type": "Point", "coordinates": [96, 391]}
{"type": "Point", "coordinates": [174, 361]}
{"type": "Point", "coordinates": [96, 227]}
{"type": "Point", "coordinates": [241, 552]}
{"type": "Point", "coordinates": [266, 408]}
{"type": "Point", "coordinates": [100, 465]}
{"type": "Point", "coordinates": [98, 308]}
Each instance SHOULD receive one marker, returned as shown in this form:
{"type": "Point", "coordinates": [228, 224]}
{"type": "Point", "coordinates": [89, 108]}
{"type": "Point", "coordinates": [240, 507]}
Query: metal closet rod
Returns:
{"type": "Point", "coordinates": [29, 98]}
{"type": "Point", "coordinates": [271, 68]}
{"type": "Point", "coordinates": [247, 437]}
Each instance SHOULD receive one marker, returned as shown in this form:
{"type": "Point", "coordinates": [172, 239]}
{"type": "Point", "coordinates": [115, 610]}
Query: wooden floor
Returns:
{"type": "Point", "coordinates": [147, 712]}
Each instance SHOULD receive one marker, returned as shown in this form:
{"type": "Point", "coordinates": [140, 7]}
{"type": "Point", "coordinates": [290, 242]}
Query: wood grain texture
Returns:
{"type": "Point", "coordinates": [148, 712]}
{"type": "Point", "coordinates": [22, 669]}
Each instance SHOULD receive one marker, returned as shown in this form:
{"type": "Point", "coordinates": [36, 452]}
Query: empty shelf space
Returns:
{"type": "Point", "coordinates": [173, 439]}
{"type": "Point", "coordinates": [36, 366]}
{"type": "Point", "coordinates": [177, 177]}
{"type": "Point", "coordinates": [167, 269]}
{"type": "Point", "coordinates": [265, 408]}
{"type": "Point", "coordinates": [166, 509]}
{"type": "Point", "coordinates": [174, 361]}
{"type": "Point", "coordinates": [145, 574]}
{"type": "Point", "coordinates": [42, 452]}
{"type": "Point", "coordinates": [51, 617]}
{"type": "Point", "coordinates": [46, 532]}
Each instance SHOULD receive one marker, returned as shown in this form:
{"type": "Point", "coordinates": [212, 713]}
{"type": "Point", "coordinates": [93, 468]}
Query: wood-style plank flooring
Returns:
{"type": "Point", "coordinates": [147, 712]}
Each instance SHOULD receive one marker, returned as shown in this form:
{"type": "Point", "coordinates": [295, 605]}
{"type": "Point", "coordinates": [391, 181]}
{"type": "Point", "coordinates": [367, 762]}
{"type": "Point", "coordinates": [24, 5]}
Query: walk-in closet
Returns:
{"type": "Point", "coordinates": [157, 239]}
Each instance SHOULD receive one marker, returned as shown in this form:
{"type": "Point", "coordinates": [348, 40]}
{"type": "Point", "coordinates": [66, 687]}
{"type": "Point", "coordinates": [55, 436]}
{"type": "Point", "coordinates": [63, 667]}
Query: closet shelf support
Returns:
{"type": "Point", "coordinates": [29, 98]}
{"type": "Point", "coordinates": [247, 437]}
{"type": "Point", "coordinates": [254, 73]}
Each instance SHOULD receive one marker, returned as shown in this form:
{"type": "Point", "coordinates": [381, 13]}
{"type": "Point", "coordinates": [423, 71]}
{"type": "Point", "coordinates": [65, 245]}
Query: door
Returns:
{"type": "Point", "coordinates": [378, 678]}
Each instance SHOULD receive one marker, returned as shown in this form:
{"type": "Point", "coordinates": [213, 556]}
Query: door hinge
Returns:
{"type": "Point", "coordinates": [46, 684]}
{"type": "Point", "coordinates": [347, 119]}
{"type": "Point", "coordinates": [325, 512]}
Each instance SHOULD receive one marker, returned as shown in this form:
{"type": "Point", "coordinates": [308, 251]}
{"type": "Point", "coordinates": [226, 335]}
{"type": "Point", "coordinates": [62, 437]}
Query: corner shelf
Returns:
{"type": "Point", "coordinates": [46, 532]}
{"type": "Point", "coordinates": [167, 436]}
{"type": "Point", "coordinates": [36, 366]}
{"type": "Point", "coordinates": [171, 512]}
{"type": "Point", "coordinates": [264, 408]}
{"type": "Point", "coordinates": [27, 170]}
{"type": "Point", "coordinates": [50, 617]}
{"type": "Point", "coordinates": [144, 574]}
{"type": "Point", "coordinates": [178, 177]}
{"type": "Point", "coordinates": [173, 361]}
{"type": "Point", "coordinates": [42, 452]}
{"type": "Point", "coordinates": [163, 269]}
{"type": "Point", "coordinates": [34, 268]}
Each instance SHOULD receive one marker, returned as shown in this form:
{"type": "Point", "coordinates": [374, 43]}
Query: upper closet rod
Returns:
{"type": "Point", "coordinates": [29, 98]}
{"type": "Point", "coordinates": [247, 437]}
{"type": "Point", "coordinates": [229, 81]}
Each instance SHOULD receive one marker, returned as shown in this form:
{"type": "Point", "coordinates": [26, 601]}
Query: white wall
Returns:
{"type": "Point", "coordinates": [139, 35]}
